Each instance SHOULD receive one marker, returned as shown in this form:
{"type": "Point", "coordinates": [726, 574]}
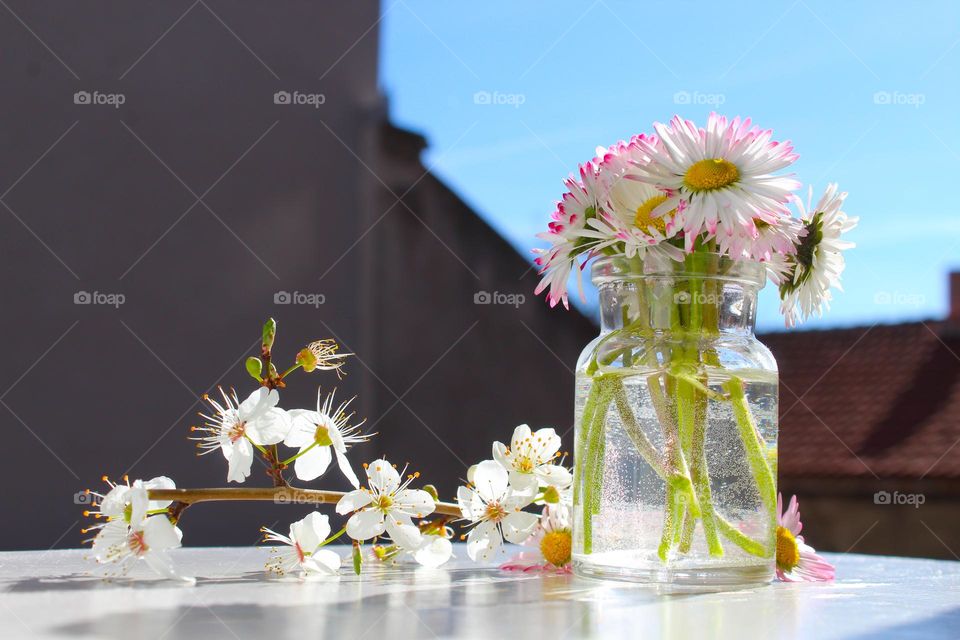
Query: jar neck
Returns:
{"type": "Point", "coordinates": [706, 293]}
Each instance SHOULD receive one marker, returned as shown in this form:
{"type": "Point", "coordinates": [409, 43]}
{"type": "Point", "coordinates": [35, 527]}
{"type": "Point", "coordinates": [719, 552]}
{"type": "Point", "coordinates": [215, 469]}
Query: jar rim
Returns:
{"type": "Point", "coordinates": [706, 264]}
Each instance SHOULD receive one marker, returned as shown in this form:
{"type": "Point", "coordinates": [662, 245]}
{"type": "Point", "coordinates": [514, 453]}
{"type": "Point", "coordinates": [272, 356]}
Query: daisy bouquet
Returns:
{"type": "Point", "coordinates": [683, 227]}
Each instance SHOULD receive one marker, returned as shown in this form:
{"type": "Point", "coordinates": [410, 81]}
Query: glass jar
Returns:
{"type": "Point", "coordinates": [676, 426]}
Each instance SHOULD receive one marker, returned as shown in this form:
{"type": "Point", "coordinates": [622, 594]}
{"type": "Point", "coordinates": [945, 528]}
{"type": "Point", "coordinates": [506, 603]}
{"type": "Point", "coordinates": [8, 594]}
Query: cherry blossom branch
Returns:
{"type": "Point", "coordinates": [280, 495]}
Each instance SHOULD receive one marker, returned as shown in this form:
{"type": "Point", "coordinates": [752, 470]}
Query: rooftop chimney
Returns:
{"type": "Point", "coordinates": [954, 314]}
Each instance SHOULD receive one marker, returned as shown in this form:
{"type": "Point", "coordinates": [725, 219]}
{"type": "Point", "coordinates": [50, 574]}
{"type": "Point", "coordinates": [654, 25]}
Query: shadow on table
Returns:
{"type": "Point", "coordinates": [406, 602]}
{"type": "Point", "coordinates": [932, 627]}
{"type": "Point", "coordinates": [90, 582]}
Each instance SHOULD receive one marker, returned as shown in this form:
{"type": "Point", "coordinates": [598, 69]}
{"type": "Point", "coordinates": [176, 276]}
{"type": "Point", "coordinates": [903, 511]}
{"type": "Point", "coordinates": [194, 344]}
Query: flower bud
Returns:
{"type": "Point", "coordinates": [269, 333]}
{"type": "Point", "coordinates": [254, 367]}
{"type": "Point", "coordinates": [357, 557]}
{"type": "Point", "coordinates": [432, 490]}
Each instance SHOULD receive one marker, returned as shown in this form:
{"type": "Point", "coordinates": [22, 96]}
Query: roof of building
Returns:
{"type": "Point", "coordinates": [877, 401]}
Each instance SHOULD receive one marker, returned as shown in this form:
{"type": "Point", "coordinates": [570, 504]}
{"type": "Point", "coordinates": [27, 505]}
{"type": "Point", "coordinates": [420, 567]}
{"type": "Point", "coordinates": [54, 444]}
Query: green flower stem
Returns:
{"type": "Point", "coordinates": [678, 473]}
{"type": "Point", "coordinates": [685, 539]}
{"type": "Point", "coordinates": [686, 419]}
{"type": "Point", "coordinates": [671, 522]}
{"type": "Point", "coordinates": [701, 479]}
{"type": "Point", "coordinates": [677, 463]}
{"type": "Point", "coordinates": [685, 401]}
{"type": "Point", "coordinates": [300, 453]}
{"type": "Point", "coordinates": [660, 405]}
{"type": "Point", "coordinates": [592, 473]}
{"type": "Point", "coordinates": [742, 540]}
{"type": "Point", "coordinates": [756, 457]}
{"type": "Point", "coordinates": [586, 421]}
{"type": "Point", "coordinates": [701, 386]}
{"type": "Point", "coordinates": [259, 447]}
{"type": "Point", "coordinates": [599, 451]}
{"type": "Point", "coordinates": [669, 514]}
{"type": "Point", "coordinates": [334, 537]}
{"type": "Point", "coordinates": [640, 440]}
{"type": "Point", "coordinates": [290, 370]}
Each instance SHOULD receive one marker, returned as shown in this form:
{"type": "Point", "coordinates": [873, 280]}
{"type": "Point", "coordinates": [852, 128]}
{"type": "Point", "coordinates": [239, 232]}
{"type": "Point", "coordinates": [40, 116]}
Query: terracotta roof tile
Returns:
{"type": "Point", "coordinates": [881, 400]}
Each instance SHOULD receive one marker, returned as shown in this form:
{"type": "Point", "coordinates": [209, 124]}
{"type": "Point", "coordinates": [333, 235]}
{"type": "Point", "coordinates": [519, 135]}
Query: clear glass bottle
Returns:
{"type": "Point", "coordinates": [676, 426]}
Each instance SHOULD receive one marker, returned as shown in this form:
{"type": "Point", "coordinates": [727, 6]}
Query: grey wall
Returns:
{"type": "Point", "coordinates": [198, 199]}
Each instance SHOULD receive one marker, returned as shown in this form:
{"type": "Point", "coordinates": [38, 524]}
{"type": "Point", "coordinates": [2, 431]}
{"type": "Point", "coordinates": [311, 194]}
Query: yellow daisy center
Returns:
{"type": "Point", "coordinates": [711, 174]}
{"type": "Point", "coordinates": [788, 551]}
{"type": "Point", "coordinates": [644, 218]}
{"type": "Point", "coordinates": [322, 436]}
{"type": "Point", "coordinates": [555, 547]}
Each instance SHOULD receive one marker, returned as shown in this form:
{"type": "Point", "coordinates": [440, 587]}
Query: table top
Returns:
{"type": "Point", "coordinates": [53, 594]}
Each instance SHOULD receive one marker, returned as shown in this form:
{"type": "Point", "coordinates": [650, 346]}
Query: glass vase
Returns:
{"type": "Point", "coordinates": [675, 463]}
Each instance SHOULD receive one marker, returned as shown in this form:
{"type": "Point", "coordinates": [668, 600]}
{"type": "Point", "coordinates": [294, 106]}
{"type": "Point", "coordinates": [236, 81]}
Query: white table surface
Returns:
{"type": "Point", "coordinates": [53, 595]}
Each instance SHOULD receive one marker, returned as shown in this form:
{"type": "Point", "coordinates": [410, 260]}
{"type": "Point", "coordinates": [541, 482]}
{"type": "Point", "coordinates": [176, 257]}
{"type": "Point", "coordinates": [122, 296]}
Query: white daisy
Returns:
{"type": "Point", "coordinates": [495, 511]}
{"type": "Point", "coordinates": [818, 262]}
{"type": "Point", "coordinates": [317, 433]}
{"type": "Point", "coordinates": [549, 546]}
{"type": "Point", "coordinates": [721, 174]}
{"type": "Point", "coordinates": [386, 506]}
{"type": "Point", "coordinates": [577, 205]}
{"type": "Point", "coordinates": [625, 222]}
{"type": "Point", "coordinates": [530, 459]}
{"type": "Point", "coordinates": [779, 267]}
{"type": "Point", "coordinates": [760, 239]}
{"type": "Point", "coordinates": [237, 427]}
{"type": "Point", "coordinates": [304, 548]}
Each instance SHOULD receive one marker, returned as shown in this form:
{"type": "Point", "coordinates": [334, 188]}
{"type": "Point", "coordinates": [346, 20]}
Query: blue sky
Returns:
{"type": "Point", "coordinates": [867, 91]}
